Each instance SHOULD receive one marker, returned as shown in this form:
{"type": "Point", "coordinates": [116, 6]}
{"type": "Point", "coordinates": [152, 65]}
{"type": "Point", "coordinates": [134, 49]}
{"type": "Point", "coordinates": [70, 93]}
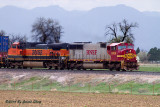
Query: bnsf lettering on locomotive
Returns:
{"type": "Point", "coordinates": [36, 52]}
{"type": "Point", "coordinates": [91, 52]}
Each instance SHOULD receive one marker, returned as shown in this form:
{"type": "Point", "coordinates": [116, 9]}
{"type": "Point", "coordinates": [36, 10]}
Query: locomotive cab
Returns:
{"type": "Point", "coordinates": [15, 49]}
{"type": "Point", "coordinates": [123, 56]}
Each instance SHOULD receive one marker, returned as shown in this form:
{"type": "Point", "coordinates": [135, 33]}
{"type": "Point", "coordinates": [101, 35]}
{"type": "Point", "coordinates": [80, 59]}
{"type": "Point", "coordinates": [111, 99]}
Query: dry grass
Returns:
{"type": "Point", "coordinates": [149, 65]}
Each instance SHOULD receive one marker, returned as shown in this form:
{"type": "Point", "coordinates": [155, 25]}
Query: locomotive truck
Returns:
{"type": "Point", "coordinates": [80, 55]}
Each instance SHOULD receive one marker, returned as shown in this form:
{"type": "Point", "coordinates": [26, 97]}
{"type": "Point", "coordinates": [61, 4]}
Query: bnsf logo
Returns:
{"type": "Point", "coordinates": [36, 52]}
{"type": "Point", "coordinates": [91, 52]}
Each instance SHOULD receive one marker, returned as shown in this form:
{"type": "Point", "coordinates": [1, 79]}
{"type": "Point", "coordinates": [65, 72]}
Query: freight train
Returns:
{"type": "Point", "coordinates": [78, 55]}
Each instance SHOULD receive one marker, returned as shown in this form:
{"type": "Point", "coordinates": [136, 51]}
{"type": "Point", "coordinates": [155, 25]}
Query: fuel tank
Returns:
{"type": "Point", "coordinates": [32, 64]}
{"type": "Point", "coordinates": [93, 66]}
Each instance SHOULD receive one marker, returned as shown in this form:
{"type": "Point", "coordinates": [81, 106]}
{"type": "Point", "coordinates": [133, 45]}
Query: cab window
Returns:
{"type": "Point", "coordinates": [121, 47]}
{"type": "Point", "coordinates": [113, 48]}
{"type": "Point", "coordinates": [19, 47]}
{"type": "Point", "coordinates": [108, 48]}
{"type": "Point", "coordinates": [130, 47]}
{"type": "Point", "coordinates": [14, 46]}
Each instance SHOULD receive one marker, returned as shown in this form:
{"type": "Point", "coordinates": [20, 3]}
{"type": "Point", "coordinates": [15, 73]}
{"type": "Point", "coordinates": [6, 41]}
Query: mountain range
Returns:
{"type": "Point", "coordinates": [85, 25]}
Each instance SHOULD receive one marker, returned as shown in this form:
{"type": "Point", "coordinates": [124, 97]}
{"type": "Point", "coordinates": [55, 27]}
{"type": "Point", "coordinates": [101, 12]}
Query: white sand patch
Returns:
{"type": "Point", "coordinates": [53, 77]}
{"type": "Point", "coordinates": [19, 76]}
{"type": "Point", "coordinates": [60, 79]}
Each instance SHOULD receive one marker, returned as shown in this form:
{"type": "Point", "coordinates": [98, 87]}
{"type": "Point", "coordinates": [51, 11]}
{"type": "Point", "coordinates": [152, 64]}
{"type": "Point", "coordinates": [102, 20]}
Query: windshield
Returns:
{"type": "Point", "coordinates": [130, 47]}
{"type": "Point", "coordinates": [14, 46]}
{"type": "Point", "coordinates": [121, 47]}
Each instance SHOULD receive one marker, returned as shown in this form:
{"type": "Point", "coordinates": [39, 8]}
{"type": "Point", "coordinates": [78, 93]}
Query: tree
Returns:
{"type": "Point", "coordinates": [143, 56]}
{"type": "Point", "coordinates": [14, 37]}
{"type": "Point", "coordinates": [2, 33]}
{"type": "Point", "coordinates": [17, 38]}
{"type": "Point", "coordinates": [121, 32]}
{"type": "Point", "coordinates": [154, 54]}
{"type": "Point", "coordinates": [138, 50]}
{"type": "Point", "coordinates": [46, 30]}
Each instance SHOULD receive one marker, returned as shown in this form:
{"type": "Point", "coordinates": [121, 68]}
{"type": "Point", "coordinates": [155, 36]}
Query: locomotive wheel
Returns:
{"type": "Point", "coordinates": [24, 67]}
{"type": "Point", "coordinates": [78, 68]}
{"type": "Point", "coordinates": [13, 66]}
{"type": "Point", "coordinates": [72, 68]}
{"type": "Point", "coordinates": [50, 67]}
{"type": "Point", "coordinates": [56, 68]}
{"type": "Point", "coordinates": [110, 69]}
{"type": "Point", "coordinates": [4, 66]}
{"type": "Point", "coordinates": [19, 67]}
{"type": "Point", "coordinates": [61, 68]}
{"type": "Point", "coordinates": [118, 69]}
{"type": "Point", "coordinates": [123, 70]}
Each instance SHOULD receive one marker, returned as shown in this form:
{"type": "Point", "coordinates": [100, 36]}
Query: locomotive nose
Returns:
{"type": "Point", "coordinates": [130, 54]}
{"type": "Point", "coordinates": [128, 51]}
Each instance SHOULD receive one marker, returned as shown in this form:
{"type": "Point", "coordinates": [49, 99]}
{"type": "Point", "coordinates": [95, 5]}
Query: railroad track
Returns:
{"type": "Point", "coordinates": [105, 72]}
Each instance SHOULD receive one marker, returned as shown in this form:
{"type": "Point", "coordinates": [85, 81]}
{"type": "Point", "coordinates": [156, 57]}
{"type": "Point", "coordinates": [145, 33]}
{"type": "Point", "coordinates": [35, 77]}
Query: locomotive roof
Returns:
{"type": "Point", "coordinates": [57, 46]}
{"type": "Point", "coordinates": [121, 43]}
{"type": "Point", "coordinates": [114, 44]}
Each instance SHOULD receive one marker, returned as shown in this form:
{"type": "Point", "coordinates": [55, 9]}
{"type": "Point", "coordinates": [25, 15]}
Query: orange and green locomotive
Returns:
{"type": "Point", "coordinates": [23, 55]}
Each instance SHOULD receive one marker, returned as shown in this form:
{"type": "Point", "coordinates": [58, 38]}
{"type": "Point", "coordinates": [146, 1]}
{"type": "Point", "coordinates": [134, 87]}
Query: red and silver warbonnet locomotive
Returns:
{"type": "Point", "coordinates": [80, 55]}
{"type": "Point", "coordinates": [113, 56]}
{"type": "Point", "coordinates": [123, 56]}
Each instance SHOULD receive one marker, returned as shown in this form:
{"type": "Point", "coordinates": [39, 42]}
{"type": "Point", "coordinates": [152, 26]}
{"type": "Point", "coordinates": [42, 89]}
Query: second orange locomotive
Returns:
{"type": "Point", "coordinates": [37, 55]}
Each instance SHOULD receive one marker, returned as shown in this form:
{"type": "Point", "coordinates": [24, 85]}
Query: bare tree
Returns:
{"type": "Point", "coordinates": [2, 33]}
{"type": "Point", "coordinates": [121, 32]}
{"type": "Point", "coordinates": [112, 30]}
{"type": "Point", "coordinates": [17, 38]}
{"type": "Point", "coordinates": [46, 30]}
{"type": "Point", "coordinates": [126, 29]}
{"type": "Point", "coordinates": [14, 37]}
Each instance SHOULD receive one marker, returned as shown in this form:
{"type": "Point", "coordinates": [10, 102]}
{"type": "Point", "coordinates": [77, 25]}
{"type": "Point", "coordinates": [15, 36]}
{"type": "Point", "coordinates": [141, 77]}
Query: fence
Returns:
{"type": "Point", "coordinates": [150, 64]}
{"type": "Point", "coordinates": [125, 88]}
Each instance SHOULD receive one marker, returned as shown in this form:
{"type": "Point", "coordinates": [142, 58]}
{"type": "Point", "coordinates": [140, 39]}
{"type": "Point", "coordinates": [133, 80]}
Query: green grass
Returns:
{"type": "Point", "coordinates": [151, 69]}
{"type": "Point", "coordinates": [142, 68]}
{"type": "Point", "coordinates": [126, 88]}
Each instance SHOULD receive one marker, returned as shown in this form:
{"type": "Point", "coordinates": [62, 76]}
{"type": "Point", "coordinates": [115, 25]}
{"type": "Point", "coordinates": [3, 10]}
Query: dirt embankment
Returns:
{"type": "Point", "coordinates": [65, 78]}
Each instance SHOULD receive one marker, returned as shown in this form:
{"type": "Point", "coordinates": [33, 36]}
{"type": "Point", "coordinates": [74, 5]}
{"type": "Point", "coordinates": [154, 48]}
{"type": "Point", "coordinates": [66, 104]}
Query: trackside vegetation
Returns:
{"type": "Point", "coordinates": [44, 84]}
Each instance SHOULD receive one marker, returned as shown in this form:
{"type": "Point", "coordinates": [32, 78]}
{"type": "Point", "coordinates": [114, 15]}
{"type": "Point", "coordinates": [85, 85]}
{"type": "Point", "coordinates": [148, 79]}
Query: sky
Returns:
{"type": "Point", "coordinates": [141, 5]}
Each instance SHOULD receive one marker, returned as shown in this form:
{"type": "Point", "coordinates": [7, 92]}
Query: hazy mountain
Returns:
{"type": "Point", "coordinates": [85, 25]}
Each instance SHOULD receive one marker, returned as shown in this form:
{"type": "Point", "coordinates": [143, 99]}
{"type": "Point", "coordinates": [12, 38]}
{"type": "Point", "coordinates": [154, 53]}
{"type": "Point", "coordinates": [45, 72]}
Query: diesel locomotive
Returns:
{"type": "Point", "coordinates": [23, 55]}
{"type": "Point", "coordinates": [79, 55]}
